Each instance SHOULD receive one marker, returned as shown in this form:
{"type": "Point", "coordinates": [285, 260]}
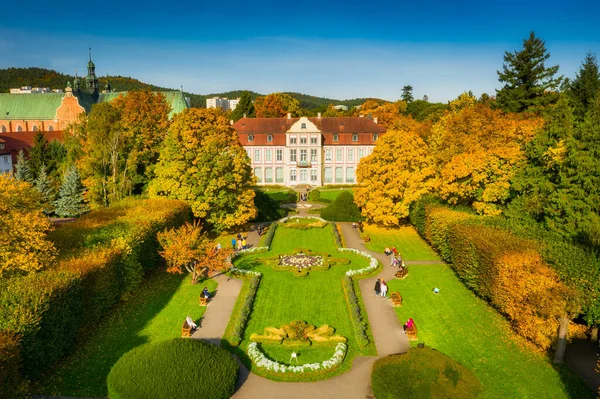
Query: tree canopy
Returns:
{"type": "Point", "coordinates": [244, 107]}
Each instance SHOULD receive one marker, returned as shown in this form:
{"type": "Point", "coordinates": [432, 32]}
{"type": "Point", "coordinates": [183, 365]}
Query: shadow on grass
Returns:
{"type": "Point", "coordinates": [84, 372]}
{"type": "Point", "coordinates": [579, 368]}
{"type": "Point", "coordinates": [246, 263]}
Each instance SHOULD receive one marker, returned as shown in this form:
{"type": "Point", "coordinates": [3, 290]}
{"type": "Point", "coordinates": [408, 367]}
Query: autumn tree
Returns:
{"type": "Point", "coordinates": [202, 162]}
{"type": "Point", "coordinates": [585, 87]}
{"type": "Point", "coordinates": [528, 82]}
{"type": "Point", "coordinates": [398, 172]}
{"type": "Point", "coordinates": [244, 107]}
{"type": "Point", "coordinates": [187, 248]}
{"type": "Point", "coordinates": [276, 105]}
{"type": "Point", "coordinates": [407, 93]}
{"type": "Point", "coordinates": [24, 247]}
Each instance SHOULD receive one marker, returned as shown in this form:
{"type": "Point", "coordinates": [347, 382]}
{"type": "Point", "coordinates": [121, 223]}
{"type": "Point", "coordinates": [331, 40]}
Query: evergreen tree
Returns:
{"type": "Point", "coordinates": [38, 155]}
{"type": "Point", "coordinates": [528, 83]}
{"type": "Point", "coordinates": [245, 106]}
{"type": "Point", "coordinates": [71, 202]}
{"type": "Point", "coordinates": [585, 87]}
{"type": "Point", "coordinates": [45, 187]}
{"type": "Point", "coordinates": [407, 93]}
{"type": "Point", "coordinates": [23, 172]}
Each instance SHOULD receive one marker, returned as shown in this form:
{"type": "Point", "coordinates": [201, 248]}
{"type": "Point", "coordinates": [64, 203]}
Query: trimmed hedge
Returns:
{"type": "Point", "coordinates": [178, 368]}
{"type": "Point", "coordinates": [270, 234]}
{"type": "Point", "coordinates": [12, 384]}
{"type": "Point", "coordinates": [423, 373]}
{"type": "Point", "coordinates": [343, 209]}
{"type": "Point", "coordinates": [239, 316]}
{"type": "Point", "coordinates": [45, 310]}
{"type": "Point", "coordinates": [358, 319]}
{"type": "Point", "coordinates": [336, 235]}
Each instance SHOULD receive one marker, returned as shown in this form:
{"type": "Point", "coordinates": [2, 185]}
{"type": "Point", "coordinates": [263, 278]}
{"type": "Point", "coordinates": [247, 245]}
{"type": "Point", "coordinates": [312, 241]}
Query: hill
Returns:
{"type": "Point", "coordinates": [41, 77]}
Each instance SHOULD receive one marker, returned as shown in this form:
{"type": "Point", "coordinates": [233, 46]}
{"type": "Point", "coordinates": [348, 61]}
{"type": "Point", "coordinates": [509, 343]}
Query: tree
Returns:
{"type": "Point", "coordinates": [244, 107]}
{"type": "Point", "coordinates": [24, 246]}
{"type": "Point", "coordinates": [276, 105]}
{"type": "Point", "coordinates": [23, 171]}
{"type": "Point", "coordinates": [71, 202]}
{"type": "Point", "coordinates": [202, 162]}
{"type": "Point", "coordinates": [45, 187]}
{"type": "Point", "coordinates": [188, 248]}
{"type": "Point", "coordinates": [528, 83]}
{"type": "Point", "coordinates": [38, 154]}
{"type": "Point", "coordinates": [407, 95]}
{"type": "Point", "coordinates": [398, 173]}
{"type": "Point", "coordinates": [585, 87]}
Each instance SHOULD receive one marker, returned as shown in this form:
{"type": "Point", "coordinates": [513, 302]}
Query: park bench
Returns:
{"type": "Point", "coordinates": [402, 273]}
{"type": "Point", "coordinates": [396, 299]}
{"type": "Point", "coordinates": [411, 333]}
{"type": "Point", "coordinates": [366, 239]}
{"type": "Point", "coordinates": [186, 329]}
{"type": "Point", "coordinates": [203, 301]}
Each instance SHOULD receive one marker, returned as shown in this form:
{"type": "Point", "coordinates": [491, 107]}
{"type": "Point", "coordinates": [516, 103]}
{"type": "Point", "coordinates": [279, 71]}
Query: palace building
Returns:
{"type": "Point", "coordinates": [307, 151]}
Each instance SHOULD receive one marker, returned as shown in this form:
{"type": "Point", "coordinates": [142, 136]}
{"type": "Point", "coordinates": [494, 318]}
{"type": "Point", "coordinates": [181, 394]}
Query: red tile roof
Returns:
{"type": "Point", "coordinates": [17, 141]}
{"type": "Point", "coordinates": [325, 125]}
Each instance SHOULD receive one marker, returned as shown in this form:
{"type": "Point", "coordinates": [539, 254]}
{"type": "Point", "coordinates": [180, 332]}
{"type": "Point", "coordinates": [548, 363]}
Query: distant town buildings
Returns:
{"type": "Point", "coordinates": [341, 107]}
{"type": "Point", "coordinates": [223, 103]}
{"type": "Point", "coordinates": [29, 90]}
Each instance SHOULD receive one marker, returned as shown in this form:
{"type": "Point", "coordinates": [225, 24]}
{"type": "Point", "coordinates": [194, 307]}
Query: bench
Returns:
{"type": "Point", "coordinates": [402, 273]}
{"type": "Point", "coordinates": [366, 239]}
{"type": "Point", "coordinates": [396, 299]}
{"type": "Point", "coordinates": [203, 301]}
{"type": "Point", "coordinates": [186, 329]}
{"type": "Point", "coordinates": [411, 333]}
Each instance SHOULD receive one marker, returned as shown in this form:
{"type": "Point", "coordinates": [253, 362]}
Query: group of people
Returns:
{"type": "Point", "coordinates": [190, 322]}
{"type": "Point", "coordinates": [239, 243]}
{"type": "Point", "coordinates": [381, 288]}
{"type": "Point", "coordinates": [358, 225]}
{"type": "Point", "coordinates": [395, 258]}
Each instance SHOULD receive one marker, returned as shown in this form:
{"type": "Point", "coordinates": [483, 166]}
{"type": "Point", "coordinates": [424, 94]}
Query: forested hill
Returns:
{"type": "Point", "coordinates": [41, 77]}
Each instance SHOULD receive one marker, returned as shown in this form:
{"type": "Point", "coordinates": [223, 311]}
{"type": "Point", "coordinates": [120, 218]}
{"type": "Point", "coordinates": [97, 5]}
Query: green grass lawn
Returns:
{"type": "Point", "coordinates": [155, 313]}
{"type": "Point", "coordinates": [406, 240]}
{"type": "Point", "coordinates": [466, 328]}
{"type": "Point", "coordinates": [332, 193]}
{"type": "Point", "coordinates": [280, 195]}
{"type": "Point", "coordinates": [317, 299]}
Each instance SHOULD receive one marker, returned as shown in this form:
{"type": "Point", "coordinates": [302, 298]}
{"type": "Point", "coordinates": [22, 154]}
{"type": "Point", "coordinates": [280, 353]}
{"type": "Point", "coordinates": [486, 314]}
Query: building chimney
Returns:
{"type": "Point", "coordinates": [361, 116]}
{"type": "Point", "coordinates": [319, 115]}
{"type": "Point", "coordinates": [244, 114]}
{"type": "Point", "coordinates": [289, 115]}
{"type": "Point", "coordinates": [375, 119]}
{"type": "Point", "coordinates": [231, 121]}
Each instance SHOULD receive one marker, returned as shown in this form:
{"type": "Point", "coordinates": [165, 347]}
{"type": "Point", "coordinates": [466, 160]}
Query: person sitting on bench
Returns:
{"type": "Point", "coordinates": [409, 324]}
{"type": "Point", "coordinates": [191, 323]}
{"type": "Point", "coordinates": [206, 293]}
{"type": "Point", "coordinates": [387, 252]}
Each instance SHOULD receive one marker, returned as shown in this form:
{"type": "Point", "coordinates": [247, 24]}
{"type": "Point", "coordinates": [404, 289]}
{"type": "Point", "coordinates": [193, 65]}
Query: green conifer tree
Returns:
{"type": "Point", "coordinates": [23, 171]}
{"type": "Point", "coordinates": [407, 93]}
{"type": "Point", "coordinates": [45, 187]}
{"type": "Point", "coordinates": [528, 83]}
{"type": "Point", "coordinates": [71, 202]}
{"type": "Point", "coordinates": [585, 87]}
{"type": "Point", "coordinates": [38, 154]}
{"type": "Point", "coordinates": [245, 106]}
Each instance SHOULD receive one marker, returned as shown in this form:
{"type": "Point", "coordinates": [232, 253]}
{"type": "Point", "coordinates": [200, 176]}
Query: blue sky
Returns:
{"type": "Point", "coordinates": [339, 49]}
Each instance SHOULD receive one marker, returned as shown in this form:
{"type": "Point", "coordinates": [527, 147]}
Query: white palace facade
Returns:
{"type": "Point", "coordinates": [307, 151]}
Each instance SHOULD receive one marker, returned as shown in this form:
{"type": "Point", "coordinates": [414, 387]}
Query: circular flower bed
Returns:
{"type": "Point", "coordinates": [301, 261]}
{"type": "Point", "coordinates": [262, 362]}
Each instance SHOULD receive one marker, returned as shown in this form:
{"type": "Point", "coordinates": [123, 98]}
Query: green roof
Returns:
{"type": "Point", "coordinates": [29, 106]}
{"type": "Point", "coordinates": [175, 99]}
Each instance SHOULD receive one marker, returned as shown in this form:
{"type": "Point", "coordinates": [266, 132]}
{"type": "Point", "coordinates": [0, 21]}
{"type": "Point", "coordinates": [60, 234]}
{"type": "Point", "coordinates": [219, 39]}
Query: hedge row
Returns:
{"type": "Point", "coordinates": [12, 384]}
{"type": "Point", "coordinates": [103, 257]}
{"type": "Point", "coordinates": [358, 319]}
{"type": "Point", "coordinates": [336, 235]}
{"type": "Point", "coordinates": [239, 317]}
{"type": "Point", "coordinates": [270, 234]}
{"type": "Point", "coordinates": [502, 268]}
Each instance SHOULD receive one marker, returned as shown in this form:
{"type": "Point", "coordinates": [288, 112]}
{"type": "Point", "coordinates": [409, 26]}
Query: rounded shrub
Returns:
{"type": "Point", "coordinates": [422, 373]}
{"type": "Point", "coordinates": [343, 209]}
{"type": "Point", "coordinates": [178, 368]}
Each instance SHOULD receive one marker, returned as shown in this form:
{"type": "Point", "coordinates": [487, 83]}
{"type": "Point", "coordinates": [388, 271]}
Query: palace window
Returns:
{"type": "Point", "coordinates": [278, 175]}
{"type": "Point", "coordinates": [361, 153]}
{"type": "Point", "coordinates": [268, 175]}
{"type": "Point", "coordinates": [303, 154]}
{"type": "Point", "coordinates": [268, 155]}
{"type": "Point", "coordinates": [302, 140]}
{"type": "Point", "coordinates": [339, 155]}
{"type": "Point", "coordinates": [339, 175]}
{"type": "Point", "coordinates": [313, 175]}
{"type": "Point", "coordinates": [375, 137]}
{"type": "Point", "coordinates": [335, 137]}
{"type": "Point", "coordinates": [350, 155]}
{"type": "Point", "coordinates": [355, 137]}
{"type": "Point", "coordinates": [313, 155]}
{"type": "Point", "coordinates": [313, 140]}
{"type": "Point", "coordinates": [293, 155]}
{"type": "Point", "coordinates": [349, 175]}
{"type": "Point", "coordinates": [303, 126]}
{"type": "Point", "coordinates": [250, 138]}
{"type": "Point", "coordinates": [293, 140]}
{"type": "Point", "coordinates": [327, 154]}
{"type": "Point", "coordinates": [256, 155]}
{"type": "Point", "coordinates": [328, 175]}
{"type": "Point", "coordinates": [293, 175]}
{"type": "Point", "coordinates": [269, 138]}
{"type": "Point", "coordinates": [279, 154]}
{"type": "Point", "coordinates": [258, 174]}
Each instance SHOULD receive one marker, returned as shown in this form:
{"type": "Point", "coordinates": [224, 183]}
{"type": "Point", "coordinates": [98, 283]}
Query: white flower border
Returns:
{"type": "Point", "coordinates": [236, 270]}
{"type": "Point", "coordinates": [262, 362]}
{"type": "Point", "coordinates": [285, 219]}
{"type": "Point", "coordinates": [373, 263]}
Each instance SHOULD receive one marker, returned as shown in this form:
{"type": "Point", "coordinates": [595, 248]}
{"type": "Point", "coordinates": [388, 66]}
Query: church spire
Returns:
{"type": "Point", "coordinates": [91, 81]}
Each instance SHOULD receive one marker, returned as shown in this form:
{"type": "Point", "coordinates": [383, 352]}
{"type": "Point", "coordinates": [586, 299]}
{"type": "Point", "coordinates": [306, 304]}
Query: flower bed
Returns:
{"type": "Point", "coordinates": [261, 361]}
{"type": "Point", "coordinates": [373, 263]}
{"type": "Point", "coordinates": [301, 261]}
{"type": "Point", "coordinates": [285, 219]}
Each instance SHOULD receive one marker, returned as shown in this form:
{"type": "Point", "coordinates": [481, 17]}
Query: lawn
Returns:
{"type": "Point", "coordinates": [332, 193]}
{"type": "Point", "coordinates": [281, 195]}
{"type": "Point", "coordinates": [466, 328]}
{"type": "Point", "coordinates": [406, 240]}
{"type": "Point", "coordinates": [155, 313]}
{"type": "Point", "coordinates": [317, 299]}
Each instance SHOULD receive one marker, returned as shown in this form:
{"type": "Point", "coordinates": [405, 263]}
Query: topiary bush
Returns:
{"type": "Point", "coordinates": [343, 209]}
{"type": "Point", "coordinates": [177, 368]}
{"type": "Point", "coordinates": [423, 373]}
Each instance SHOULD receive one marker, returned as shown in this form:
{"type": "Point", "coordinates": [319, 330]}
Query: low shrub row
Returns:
{"type": "Point", "coordinates": [12, 384]}
{"type": "Point", "coordinates": [506, 270]}
{"type": "Point", "coordinates": [239, 316]}
{"type": "Point", "coordinates": [358, 319]}
{"type": "Point", "coordinates": [336, 235]}
{"type": "Point", "coordinates": [269, 235]}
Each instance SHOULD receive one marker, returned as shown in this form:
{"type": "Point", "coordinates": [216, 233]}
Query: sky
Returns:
{"type": "Point", "coordinates": [338, 50]}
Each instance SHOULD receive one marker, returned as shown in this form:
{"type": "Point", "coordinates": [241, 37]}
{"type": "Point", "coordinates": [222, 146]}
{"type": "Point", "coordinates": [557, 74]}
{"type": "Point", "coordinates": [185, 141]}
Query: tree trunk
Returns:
{"type": "Point", "coordinates": [594, 334]}
{"type": "Point", "coordinates": [561, 343]}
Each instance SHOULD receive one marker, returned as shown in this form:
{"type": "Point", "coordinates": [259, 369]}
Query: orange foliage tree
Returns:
{"type": "Point", "coordinates": [387, 114]}
{"type": "Point", "coordinates": [276, 105]}
{"type": "Point", "coordinates": [188, 248]}
{"type": "Point", "coordinates": [24, 246]}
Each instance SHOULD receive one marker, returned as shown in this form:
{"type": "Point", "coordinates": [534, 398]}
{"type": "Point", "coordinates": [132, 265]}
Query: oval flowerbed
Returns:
{"type": "Point", "coordinates": [261, 361]}
{"type": "Point", "coordinates": [178, 368]}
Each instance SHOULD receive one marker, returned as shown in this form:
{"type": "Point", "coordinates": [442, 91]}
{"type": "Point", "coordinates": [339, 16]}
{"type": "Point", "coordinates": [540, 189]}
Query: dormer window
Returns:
{"type": "Point", "coordinates": [1, 146]}
{"type": "Point", "coordinates": [375, 137]}
{"type": "Point", "coordinates": [303, 126]}
{"type": "Point", "coordinates": [336, 137]}
{"type": "Point", "coordinates": [250, 138]}
{"type": "Point", "coordinates": [355, 137]}
{"type": "Point", "coordinates": [269, 138]}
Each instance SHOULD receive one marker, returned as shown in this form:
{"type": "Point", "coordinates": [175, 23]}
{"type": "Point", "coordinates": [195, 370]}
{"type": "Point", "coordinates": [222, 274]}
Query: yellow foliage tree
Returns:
{"type": "Point", "coordinates": [397, 173]}
{"type": "Point", "coordinates": [24, 247]}
{"type": "Point", "coordinates": [387, 114]}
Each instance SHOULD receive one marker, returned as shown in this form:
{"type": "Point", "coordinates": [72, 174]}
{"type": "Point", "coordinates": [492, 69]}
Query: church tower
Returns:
{"type": "Point", "coordinates": [91, 81]}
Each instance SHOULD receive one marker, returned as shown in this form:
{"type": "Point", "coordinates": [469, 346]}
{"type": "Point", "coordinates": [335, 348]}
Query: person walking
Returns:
{"type": "Point", "coordinates": [233, 242]}
{"type": "Point", "coordinates": [384, 289]}
{"type": "Point", "coordinates": [244, 243]}
{"type": "Point", "coordinates": [377, 287]}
